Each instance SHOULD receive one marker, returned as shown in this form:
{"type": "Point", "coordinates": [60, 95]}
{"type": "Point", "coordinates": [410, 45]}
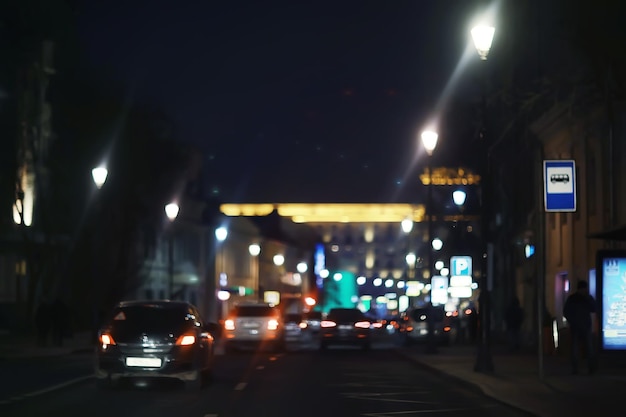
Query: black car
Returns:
{"type": "Point", "coordinates": [147, 339]}
{"type": "Point", "coordinates": [345, 326]}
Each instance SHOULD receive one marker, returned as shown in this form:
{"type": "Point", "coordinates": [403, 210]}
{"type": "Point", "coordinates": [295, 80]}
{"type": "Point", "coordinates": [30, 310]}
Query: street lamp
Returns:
{"type": "Point", "coordinates": [171, 211]}
{"type": "Point", "coordinates": [429, 140]}
{"type": "Point", "coordinates": [221, 233]}
{"type": "Point", "coordinates": [255, 249]}
{"type": "Point", "coordinates": [459, 197]}
{"type": "Point", "coordinates": [99, 176]}
{"type": "Point", "coordinates": [410, 258]}
{"type": "Point", "coordinates": [483, 37]}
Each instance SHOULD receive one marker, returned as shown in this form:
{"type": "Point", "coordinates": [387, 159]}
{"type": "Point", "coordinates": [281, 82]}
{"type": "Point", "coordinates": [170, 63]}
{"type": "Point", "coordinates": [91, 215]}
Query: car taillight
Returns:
{"type": "Point", "coordinates": [106, 340]}
{"type": "Point", "coordinates": [272, 324]}
{"type": "Point", "coordinates": [186, 340]}
{"type": "Point", "coordinates": [229, 324]}
{"type": "Point", "coordinates": [447, 329]}
{"type": "Point", "coordinates": [328, 323]}
{"type": "Point", "coordinates": [362, 324]}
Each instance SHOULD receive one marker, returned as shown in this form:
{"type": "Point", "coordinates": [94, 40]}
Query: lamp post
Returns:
{"type": "Point", "coordinates": [171, 211]}
{"type": "Point", "coordinates": [221, 233]}
{"type": "Point", "coordinates": [407, 228]}
{"type": "Point", "coordinates": [429, 140]}
{"type": "Point", "coordinates": [255, 249]}
{"type": "Point", "coordinates": [99, 176]}
{"type": "Point", "coordinates": [482, 36]}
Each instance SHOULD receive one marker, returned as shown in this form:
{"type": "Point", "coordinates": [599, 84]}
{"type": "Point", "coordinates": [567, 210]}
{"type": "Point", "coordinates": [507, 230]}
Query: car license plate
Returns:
{"type": "Point", "coordinates": [251, 324]}
{"type": "Point", "coordinates": [345, 327]}
{"type": "Point", "coordinates": [144, 362]}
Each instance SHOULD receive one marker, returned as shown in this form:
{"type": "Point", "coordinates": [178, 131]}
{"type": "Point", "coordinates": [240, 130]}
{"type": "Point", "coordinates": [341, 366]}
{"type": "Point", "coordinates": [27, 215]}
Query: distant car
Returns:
{"type": "Point", "coordinates": [414, 325]}
{"type": "Point", "coordinates": [148, 339]}
{"type": "Point", "coordinates": [254, 325]}
{"type": "Point", "coordinates": [295, 328]}
{"type": "Point", "coordinates": [345, 326]}
{"type": "Point", "coordinates": [313, 319]}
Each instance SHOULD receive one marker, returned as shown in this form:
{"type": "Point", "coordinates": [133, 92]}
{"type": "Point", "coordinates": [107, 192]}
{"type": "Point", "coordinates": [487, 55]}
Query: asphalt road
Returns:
{"type": "Point", "coordinates": [340, 382]}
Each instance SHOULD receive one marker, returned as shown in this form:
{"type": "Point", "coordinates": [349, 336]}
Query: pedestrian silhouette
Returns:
{"type": "Point", "coordinates": [60, 322]}
{"type": "Point", "coordinates": [578, 309]}
{"type": "Point", "coordinates": [43, 321]}
{"type": "Point", "coordinates": [514, 317]}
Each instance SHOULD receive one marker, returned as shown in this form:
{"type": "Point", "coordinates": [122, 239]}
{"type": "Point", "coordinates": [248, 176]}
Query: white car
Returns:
{"type": "Point", "coordinates": [254, 325]}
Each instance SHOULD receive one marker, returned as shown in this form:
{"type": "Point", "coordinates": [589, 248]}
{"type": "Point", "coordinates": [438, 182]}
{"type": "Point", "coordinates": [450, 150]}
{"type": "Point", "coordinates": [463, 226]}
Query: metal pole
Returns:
{"type": "Point", "coordinates": [171, 264]}
{"type": "Point", "coordinates": [484, 361]}
{"type": "Point", "coordinates": [430, 345]}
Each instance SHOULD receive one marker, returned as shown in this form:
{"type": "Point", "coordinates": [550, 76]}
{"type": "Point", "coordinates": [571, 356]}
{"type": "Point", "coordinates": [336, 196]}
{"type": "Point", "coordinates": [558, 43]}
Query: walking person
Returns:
{"type": "Point", "coordinates": [514, 317]}
{"type": "Point", "coordinates": [578, 311]}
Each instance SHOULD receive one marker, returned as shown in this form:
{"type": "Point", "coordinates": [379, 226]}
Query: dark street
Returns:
{"type": "Point", "coordinates": [339, 382]}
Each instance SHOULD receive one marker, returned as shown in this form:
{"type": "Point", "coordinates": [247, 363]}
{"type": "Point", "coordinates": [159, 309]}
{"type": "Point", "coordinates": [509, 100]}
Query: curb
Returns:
{"type": "Point", "coordinates": [47, 390]}
{"type": "Point", "coordinates": [474, 386]}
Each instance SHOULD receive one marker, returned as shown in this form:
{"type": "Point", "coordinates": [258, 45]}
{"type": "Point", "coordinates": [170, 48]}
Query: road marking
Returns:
{"type": "Point", "coordinates": [397, 413]}
{"type": "Point", "coordinates": [240, 386]}
{"type": "Point", "coordinates": [45, 390]}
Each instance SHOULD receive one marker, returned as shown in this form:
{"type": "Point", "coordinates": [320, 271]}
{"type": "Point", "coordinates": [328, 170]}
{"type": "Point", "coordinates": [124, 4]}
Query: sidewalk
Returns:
{"type": "Point", "coordinates": [515, 380]}
{"type": "Point", "coordinates": [22, 346]}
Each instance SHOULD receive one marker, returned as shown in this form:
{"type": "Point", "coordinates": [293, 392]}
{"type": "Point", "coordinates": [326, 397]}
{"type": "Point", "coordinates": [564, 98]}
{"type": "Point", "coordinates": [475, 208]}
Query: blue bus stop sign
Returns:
{"type": "Point", "coordinates": [559, 178]}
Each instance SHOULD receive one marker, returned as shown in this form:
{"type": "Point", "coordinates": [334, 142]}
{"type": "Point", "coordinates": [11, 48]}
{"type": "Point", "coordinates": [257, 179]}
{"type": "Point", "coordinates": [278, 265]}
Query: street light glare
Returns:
{"type": "Point", "coordinates": [459, 197]}
{"type": "Point", "coordinates": [99, 176]}
{"type": "Point", "coordinates": [483, 37]}
{"type": "Point", "coordinates": [302, 267]}
{"type": "Point", "coordinates": [407, 225]}
{"type": "Point", "coordinates": [221, 233]}
{"type": "Point", "coordinates": [254, 249]}
{"type": "Point", "coordinates": [429, 139]}
{"type": "Point", "coordinates": [171, 210]}
{"type": "Point", "coordinates": [279, 259]}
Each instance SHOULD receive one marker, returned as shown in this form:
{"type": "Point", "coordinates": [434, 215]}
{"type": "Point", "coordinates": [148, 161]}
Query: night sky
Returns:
{"type": "Point", "coordinates": [292, 101]}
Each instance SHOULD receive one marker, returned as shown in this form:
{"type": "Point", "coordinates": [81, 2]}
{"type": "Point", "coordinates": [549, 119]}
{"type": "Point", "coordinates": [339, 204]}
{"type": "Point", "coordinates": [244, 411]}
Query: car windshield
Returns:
{"type": "Point", "coordinates": [313, 315]}
{"type": "Point", "coordinates": [254, 311]}
{"type": "Point", "coordinates": [293, 318]}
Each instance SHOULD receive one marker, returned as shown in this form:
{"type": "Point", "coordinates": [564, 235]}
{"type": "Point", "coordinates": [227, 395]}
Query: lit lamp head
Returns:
{"type": "Point", "coordinates": [429, 140]}
{"type": "Point", "coordinates": [171, 211]}
{"type": "Point", "coordinates": [99, 176]}
{"type": "Point", "coordinates": [221, 233]}
{"type": "Point", "coordinates": [459, 197]}
{"type": "Point", "coordinates": [483, 37]}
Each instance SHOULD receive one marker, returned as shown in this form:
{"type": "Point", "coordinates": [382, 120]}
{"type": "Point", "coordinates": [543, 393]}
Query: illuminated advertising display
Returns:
{"type": "Point", "coordinates": [439, 290]}
{"type": "Point", "coordinates": [612, 266]}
